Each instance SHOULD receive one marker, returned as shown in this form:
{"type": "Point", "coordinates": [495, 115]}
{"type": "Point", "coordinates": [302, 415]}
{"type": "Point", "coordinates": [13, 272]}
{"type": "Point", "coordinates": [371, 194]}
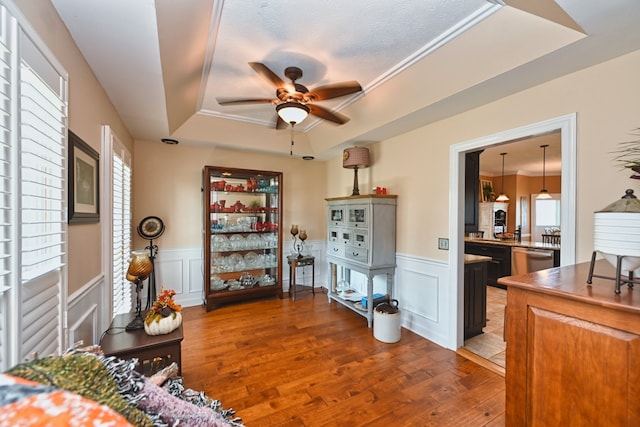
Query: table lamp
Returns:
{"type": "Point", "coordinates": [355, 158]}
{"type": "Point", "coordinates": [140, 267]}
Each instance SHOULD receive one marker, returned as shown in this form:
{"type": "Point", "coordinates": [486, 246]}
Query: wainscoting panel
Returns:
{"type": "Point", "coordinates": [195, 277]}
{"type": "Point", "coordinates": [86, 314]}
{"type": "Point", "coordinates": [421, 289]}
{"type": "Point", "coordinates": [181, 270]}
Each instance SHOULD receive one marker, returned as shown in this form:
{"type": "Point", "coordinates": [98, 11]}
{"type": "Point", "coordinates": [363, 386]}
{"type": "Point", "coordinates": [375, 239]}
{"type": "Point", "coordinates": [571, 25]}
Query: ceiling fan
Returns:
{"type": "Point", "coordinates": [293, 100]}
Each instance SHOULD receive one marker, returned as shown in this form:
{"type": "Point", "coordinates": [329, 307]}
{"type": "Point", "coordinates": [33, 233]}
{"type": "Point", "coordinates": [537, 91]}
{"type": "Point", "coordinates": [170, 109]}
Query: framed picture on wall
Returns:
{"type": "Point", "coordinates": [486, 189]}
{"type": "Point", "coordinates": [84, 197]}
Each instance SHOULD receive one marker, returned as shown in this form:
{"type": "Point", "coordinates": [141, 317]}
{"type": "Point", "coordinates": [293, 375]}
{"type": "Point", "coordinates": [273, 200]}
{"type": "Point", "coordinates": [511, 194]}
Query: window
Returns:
{"type": "Point", "coordinates": [121, 229]}
{"type": "Point", "coordinates": [547, 213]}
{"type": "Point", "coordinates": [33, 104]}
{"type": "Point", "coordinates": [116, 201]}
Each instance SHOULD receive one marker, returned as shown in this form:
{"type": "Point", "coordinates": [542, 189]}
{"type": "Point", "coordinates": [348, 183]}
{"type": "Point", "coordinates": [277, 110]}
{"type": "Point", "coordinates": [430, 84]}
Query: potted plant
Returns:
{"type": "Point", "coordinates": [629, 155]}
{"type": "Point", "coordinates": [487, 189]}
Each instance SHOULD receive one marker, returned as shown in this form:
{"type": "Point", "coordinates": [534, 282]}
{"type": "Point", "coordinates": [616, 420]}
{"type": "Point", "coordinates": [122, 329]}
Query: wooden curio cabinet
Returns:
{"type": "Point", "coordinates": [242, 234]}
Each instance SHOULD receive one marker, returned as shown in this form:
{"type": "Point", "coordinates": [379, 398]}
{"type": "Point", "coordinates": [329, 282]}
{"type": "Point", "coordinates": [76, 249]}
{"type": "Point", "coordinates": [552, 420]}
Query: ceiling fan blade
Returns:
{"type": "Point", "coordinates": [267, 74]}
{"type": "Point", "coordinates": [334, 90]}
{"type": "Point", "coordinates": [224, 101]}
{"type": "Point", "coordinates": [323, 113]}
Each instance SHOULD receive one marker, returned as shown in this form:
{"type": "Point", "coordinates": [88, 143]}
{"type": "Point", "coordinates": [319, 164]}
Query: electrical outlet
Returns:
{"type": "Point", "coordinates": [443, 243]}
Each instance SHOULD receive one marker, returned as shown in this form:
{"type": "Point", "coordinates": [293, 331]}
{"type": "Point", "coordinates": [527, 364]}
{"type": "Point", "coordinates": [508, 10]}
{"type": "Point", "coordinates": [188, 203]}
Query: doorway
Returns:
{"type": "Point", "coordinates": [567, 127]}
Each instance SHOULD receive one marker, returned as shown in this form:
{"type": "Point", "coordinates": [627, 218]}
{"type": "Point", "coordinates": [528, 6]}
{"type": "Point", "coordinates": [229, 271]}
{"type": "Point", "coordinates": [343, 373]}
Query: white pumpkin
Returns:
{"type": "Point", "coordinates": [165, 325]}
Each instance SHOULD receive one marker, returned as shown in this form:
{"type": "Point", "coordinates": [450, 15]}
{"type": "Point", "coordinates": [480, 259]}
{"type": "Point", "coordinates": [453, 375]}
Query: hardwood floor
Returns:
{"type": "Point", "coordinates": [310, 363]}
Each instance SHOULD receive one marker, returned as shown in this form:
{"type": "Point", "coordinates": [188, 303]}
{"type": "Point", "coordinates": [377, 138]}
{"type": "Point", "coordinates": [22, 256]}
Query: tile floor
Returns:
{"type": "Point", "coordinates": [490, 345]}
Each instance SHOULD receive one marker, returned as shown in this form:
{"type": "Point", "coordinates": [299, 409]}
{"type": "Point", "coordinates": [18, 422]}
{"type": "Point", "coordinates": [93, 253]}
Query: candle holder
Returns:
{"type": "Point", "coordinates": [298, 240]}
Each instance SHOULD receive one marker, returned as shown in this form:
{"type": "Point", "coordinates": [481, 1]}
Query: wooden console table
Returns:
{"type": "Point", "coordinates": [153, 352]}
{"type": "Point", "coordinates": [294, 263]}
{"type": "Point", "coordinates": [572, 349]}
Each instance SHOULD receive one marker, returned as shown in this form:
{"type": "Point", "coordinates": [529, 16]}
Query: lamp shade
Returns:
{"type": "Point", "coordinates": [356, 157]}
{"type": "Point", "coordinates": [292, 112]}
{"type": "Point", "coordinates": [140, 266]}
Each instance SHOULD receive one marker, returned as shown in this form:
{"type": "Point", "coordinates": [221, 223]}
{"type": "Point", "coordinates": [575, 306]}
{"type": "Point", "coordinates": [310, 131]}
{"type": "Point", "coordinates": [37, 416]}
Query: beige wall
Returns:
{"type": "Point", "coordinates": [416, 165]}
{"type": "Point", "coordinates": [168, 178]}
{"type": "Point", "coordinates": [89, 109]}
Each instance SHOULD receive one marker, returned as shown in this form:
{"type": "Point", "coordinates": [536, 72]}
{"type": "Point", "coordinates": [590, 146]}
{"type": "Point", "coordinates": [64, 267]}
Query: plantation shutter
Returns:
{"type": "Point", "coordinates": [43, 200]}
{"type": "Point", "coordinates": [33, 90]}
{"type": "Point", "coordinates": [7, 210]}
{"type": "Point", "coordinates": [121, 224]}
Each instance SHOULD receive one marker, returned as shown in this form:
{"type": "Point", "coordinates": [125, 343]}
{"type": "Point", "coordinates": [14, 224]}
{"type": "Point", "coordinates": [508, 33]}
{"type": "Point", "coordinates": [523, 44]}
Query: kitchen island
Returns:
{"type": "Point", "coordinates": [500, 252]}
{"type": "Point", "coordinates": [572, 349]}
{"type": "Point", "coordinates": [475, 294]}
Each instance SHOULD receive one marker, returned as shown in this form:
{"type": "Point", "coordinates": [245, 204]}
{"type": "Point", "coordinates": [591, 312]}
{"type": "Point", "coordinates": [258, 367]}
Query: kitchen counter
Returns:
{"type": "Point", "coordinates": [473, 259]}
{"type": "Point", "coordinates": [501, 253]}
{"type": "Point", "coordinates": [513, 243]}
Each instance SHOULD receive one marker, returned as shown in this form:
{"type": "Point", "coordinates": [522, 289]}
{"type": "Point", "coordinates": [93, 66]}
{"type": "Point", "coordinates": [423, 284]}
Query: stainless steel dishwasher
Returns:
{"type": "Point", "coordinates": [526, 260]}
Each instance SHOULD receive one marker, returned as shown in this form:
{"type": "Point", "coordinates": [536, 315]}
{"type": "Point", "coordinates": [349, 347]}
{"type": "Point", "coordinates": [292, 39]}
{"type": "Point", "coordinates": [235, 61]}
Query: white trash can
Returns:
{"type": "Point", "coordinates": [386, 322]}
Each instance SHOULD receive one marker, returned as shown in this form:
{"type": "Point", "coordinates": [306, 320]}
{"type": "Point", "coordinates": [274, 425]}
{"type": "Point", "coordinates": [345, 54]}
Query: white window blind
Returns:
{"type": "Point", "coordinates": [121, 226]}
{"type": "Point", "coordinates": [42, 113]}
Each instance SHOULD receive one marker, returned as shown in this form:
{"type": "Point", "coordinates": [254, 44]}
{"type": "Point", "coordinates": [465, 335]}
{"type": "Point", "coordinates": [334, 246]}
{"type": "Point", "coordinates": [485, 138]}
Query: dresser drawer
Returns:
{"type": "Point", "coordinates": [335, 249]}
{"type": "Point", "coordinates": [357, 254]}
{"type": "Point", "coordinates": [360, 239]}
{"type": "Point", "coordinates": [341, 235]}
{"type": "Point", "coordinates": [334, 234]}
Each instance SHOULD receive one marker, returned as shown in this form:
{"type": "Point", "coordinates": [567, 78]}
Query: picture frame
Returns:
{"type": "Point", "coordinates": [84, 184]}
{"type": "Point", "coordinates": [484, 197]}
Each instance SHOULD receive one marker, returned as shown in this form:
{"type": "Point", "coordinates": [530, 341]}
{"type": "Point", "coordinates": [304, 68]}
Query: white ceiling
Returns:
{"type": "Point", "coordinates": [163, 63]}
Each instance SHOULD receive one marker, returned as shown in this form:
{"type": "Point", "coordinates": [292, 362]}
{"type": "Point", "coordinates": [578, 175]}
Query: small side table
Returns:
{"type": "Point", "coordinates": [154, 352]}
{"type": "Point", "coordinates": [294, 263]}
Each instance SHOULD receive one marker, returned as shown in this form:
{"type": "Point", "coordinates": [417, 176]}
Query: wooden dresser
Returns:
{"type": "Point", "coordinates": [362, 238]}
{"type": "Point", "coordinates": [573, 351]}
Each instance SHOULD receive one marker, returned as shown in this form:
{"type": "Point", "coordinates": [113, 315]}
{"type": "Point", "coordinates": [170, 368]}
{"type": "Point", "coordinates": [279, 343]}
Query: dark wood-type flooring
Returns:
{"type": "Point", "coordinates": [309, 363]}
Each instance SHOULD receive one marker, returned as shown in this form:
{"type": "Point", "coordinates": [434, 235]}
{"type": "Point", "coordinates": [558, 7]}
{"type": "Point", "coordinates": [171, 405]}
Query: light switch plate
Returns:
{"type": "Point", "coordinates": [443, 243]}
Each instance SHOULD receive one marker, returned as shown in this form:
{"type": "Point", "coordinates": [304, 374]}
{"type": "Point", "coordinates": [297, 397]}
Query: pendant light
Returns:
{"type": "Point", "coordinates": [502, 197]}
{"type": "Point", "coordinates": [544, 194]}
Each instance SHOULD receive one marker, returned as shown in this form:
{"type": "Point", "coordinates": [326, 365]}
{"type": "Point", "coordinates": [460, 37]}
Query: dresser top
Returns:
{"type": "Point", "coordinates": [363, 196]}
{"type": "Point", "coordinates": [570, 282]}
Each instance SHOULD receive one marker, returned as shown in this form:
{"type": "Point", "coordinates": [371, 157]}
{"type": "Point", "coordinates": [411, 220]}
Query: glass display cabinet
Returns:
{"type": "Point", "coordinates": [242, 234]}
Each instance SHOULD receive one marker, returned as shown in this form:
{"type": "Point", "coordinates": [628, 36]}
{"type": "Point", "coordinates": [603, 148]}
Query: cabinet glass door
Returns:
{"type": "Point", "coordinates": [336, 216]}
{"type": "Point", "coordinates": [358, 216]}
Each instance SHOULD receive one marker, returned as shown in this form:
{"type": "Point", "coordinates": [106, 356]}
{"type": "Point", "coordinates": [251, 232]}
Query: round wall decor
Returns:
{"type": "Point", "coordinates": [151, 228]}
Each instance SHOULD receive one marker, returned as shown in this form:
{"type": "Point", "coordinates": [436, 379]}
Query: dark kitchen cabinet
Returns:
{"type": "Point", "coordinates": [500, 264]}
{"type": "Point", "coordinates": [475, 298]}
{"type": "Point", "coordinates": [471, 191]}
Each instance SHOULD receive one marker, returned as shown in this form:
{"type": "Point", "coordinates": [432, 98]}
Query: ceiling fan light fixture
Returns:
{"type": "Point", "coordinates": [292, 112]}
